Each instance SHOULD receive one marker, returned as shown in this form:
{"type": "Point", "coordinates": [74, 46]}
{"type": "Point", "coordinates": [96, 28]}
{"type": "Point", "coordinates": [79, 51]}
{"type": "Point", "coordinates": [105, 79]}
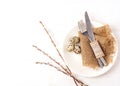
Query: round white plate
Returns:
{"type": "Point", "coordinates": [74, 61]}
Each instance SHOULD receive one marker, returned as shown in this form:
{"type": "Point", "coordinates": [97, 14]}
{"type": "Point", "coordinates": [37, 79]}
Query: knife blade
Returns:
{"type": "Point", "coordinates": [89, 27]}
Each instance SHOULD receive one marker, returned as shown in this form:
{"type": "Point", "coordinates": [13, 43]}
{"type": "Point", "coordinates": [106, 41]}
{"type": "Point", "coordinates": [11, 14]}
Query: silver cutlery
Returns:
{"type": "Point", "coordinates": [88, 31]}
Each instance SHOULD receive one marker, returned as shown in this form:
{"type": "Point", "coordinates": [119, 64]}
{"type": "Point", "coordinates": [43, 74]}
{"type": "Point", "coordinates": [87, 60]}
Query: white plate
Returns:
{"type": "Point", "coordinates": [74, 61]}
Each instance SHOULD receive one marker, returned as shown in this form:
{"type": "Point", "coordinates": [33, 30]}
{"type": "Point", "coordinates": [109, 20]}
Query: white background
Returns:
{"type": "Point", "coordinates": [20, 29]}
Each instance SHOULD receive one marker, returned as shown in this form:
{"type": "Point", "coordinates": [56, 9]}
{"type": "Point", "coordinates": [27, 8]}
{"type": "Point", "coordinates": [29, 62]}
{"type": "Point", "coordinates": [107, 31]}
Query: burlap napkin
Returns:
{"type": "Point", "coordinates": [107, 42]}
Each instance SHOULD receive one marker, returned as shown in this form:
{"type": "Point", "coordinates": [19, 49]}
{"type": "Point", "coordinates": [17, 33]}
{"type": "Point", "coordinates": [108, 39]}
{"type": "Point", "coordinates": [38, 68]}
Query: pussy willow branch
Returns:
{"type": "Point", "coordinates": [64, 72]}
{"type": "Point", "coordinates": [54, 45]}
{"type": "Point", "coordinates": [68, 71]}
{"type": "Point", "coordinates": [49, 64]}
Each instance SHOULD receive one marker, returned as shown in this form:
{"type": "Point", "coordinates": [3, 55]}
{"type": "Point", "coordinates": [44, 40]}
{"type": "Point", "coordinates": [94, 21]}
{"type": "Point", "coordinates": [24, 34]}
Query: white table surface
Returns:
{"type": "Point", "coordinates": [20, 29]}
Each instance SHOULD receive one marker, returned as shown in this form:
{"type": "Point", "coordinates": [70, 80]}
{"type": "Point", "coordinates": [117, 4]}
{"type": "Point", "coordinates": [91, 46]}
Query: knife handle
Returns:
{"type": "Point", "coordinates": [97, 49]}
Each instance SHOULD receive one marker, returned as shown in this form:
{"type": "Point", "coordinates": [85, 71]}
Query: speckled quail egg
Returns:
{"type": "Point", "coordinates": [70, 47]}
{"type": "Point", "coordinates": [75, 40]}
{"type": "Point", "coordinates": [77, 49]}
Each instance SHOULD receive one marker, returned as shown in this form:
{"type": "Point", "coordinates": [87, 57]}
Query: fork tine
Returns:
{"type": "Point", "coordinates": [82, 26]}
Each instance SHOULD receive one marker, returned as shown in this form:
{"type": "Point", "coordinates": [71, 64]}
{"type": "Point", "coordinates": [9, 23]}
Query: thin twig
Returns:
{"type": "Point", "coordinates": [68, 73]}
{"type": "Point", "coordinates": [75, 82]}
{"type": "Point", "coordinates": [54, 45]}
{"type": "Point", "coordinates": [52, 41]}
{"type": "Point", "coordinates": [79, 81]}
{"type": "Point", "coordinates": [49, 64]}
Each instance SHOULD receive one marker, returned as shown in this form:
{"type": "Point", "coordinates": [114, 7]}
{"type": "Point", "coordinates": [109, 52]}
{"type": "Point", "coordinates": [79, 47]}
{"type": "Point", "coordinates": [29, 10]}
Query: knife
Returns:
{"type": "Point", "coordinates": [94, 43]}
{"type": "Point", "coordinates": [83, 30]}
